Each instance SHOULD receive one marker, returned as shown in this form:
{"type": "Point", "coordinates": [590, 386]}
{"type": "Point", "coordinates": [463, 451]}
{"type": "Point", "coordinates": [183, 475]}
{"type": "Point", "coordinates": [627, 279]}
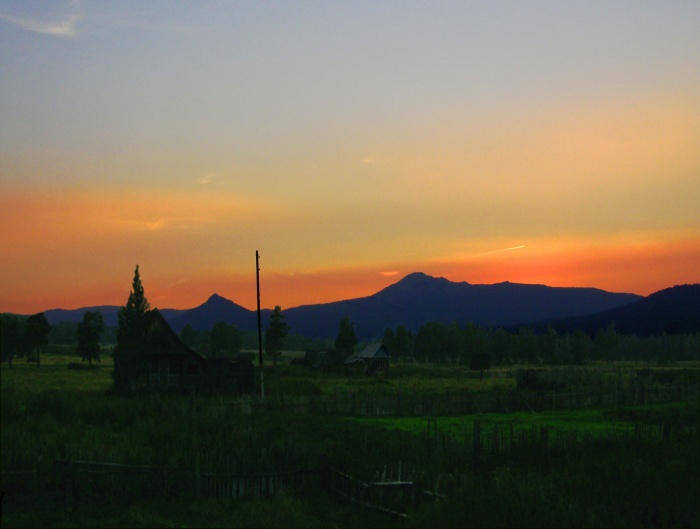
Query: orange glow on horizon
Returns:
{"type": "Point", "coordinates": [641, 268]}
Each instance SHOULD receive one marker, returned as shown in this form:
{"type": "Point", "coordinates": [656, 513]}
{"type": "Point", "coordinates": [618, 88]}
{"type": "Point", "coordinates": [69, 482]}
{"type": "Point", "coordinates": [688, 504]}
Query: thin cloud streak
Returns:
{"type": "Point", "coordinates": [498, 251]}
{"type": "Point", "coordinates": [65, 26]}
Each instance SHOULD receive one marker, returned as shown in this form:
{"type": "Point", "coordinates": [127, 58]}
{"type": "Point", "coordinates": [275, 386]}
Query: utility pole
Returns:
{"type": "Point", "coordinates": [260, 355]}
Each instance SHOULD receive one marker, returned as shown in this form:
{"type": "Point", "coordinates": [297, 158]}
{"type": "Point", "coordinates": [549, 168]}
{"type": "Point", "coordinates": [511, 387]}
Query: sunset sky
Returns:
{"type": "Point", "coordinates": [350, 142]}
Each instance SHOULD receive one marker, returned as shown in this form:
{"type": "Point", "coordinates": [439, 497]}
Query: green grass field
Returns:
{"type": "Point", "coordinates": [613, 465]}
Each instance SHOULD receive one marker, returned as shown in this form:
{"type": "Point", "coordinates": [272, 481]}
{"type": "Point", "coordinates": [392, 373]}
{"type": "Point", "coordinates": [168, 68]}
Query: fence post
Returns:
{"type": "Point", "coordinates": [427, 438]}
{"type": "Point", "coordinates": [477, 444]}
{"type": "Point", "coordinates": [68, 478]}
{"type": "Point", "coordinates": [398, 410]}
{"type": "Point", "coordinates": [197, 475]}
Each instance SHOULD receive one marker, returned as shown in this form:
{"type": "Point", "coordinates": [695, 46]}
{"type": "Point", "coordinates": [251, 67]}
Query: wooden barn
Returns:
{"type": "Point", "coordinates": [374, 357]}
{"type": "Point", "coordinates": [172, 364]}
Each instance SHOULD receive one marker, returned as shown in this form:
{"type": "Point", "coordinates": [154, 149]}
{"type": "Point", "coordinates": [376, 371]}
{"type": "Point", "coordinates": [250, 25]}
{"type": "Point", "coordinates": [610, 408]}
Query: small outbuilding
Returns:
{"type": "Point", "coordinates": [172, 364]}
{"type": "Point", "coordinates": [375, 357]}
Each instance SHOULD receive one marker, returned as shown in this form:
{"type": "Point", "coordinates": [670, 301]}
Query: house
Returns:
{"type": "Point", "coordinates": [172, 364]}
{"type": "Point", "coordinates": [374, 357]}
{"type": "Point", "coordinates": [171, 361]}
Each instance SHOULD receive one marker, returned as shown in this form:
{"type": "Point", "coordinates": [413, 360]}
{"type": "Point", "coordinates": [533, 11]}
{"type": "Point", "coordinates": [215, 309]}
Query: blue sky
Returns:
{"type": "Point", "coordinates": [347, 141]}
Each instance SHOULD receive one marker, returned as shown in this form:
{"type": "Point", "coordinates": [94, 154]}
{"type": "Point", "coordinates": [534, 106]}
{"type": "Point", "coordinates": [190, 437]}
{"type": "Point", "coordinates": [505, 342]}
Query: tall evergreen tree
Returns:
{"type": "Point", "coordinates": [275, 334]}
{"type": "Point", "coordinates": [130, 355]}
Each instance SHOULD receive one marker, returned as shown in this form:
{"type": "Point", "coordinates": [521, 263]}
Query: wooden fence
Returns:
{"type": "Point", "coordinates": [449, 460]}
{"type": "Point", "coordinates": [404, 403]}
{"type": "Point", "coordinates": [32, 479]}
{"type": "Point", "coordinates": [390, 494]}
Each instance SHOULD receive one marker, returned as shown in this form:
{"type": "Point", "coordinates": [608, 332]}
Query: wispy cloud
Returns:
{"type": "Point", "coordinates": [178, 223]}
{"type": "Point", "coordinates": [63, 24]}
{"type": "Point", "coordinates": [499, 251]}
{"type": "Point", "coordinates": [211, 178]}
{"type": "Point", "coordinates": [206, 179]}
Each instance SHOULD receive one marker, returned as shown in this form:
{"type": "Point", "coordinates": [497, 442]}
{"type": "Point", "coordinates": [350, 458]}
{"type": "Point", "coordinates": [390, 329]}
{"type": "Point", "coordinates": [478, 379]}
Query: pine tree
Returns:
{"type": "Point", "coordinates": [130, 355]}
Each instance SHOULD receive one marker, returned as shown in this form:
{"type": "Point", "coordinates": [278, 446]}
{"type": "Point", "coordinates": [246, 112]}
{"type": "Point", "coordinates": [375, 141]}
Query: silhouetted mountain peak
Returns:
{"type": "Point", "coordinates": [419, 280]}
{"type": "Point", "coordinates": [415, 276]}
{"type": "Point", "coordinates": [215, 298]}
{"type": "Point", "coordinates": [216, 308]}
{"type": "Point", "coordinates": [217, 301]}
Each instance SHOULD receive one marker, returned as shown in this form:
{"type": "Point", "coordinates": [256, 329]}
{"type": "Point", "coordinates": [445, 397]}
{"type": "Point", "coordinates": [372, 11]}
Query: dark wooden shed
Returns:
{"type": "Point", "coordinates": [172, 364]}
{"type": "Point", "coordinates": [374, 357]}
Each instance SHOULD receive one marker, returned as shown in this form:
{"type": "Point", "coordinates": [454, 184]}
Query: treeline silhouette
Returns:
{"type": "Point", "coordinates": [471, 344]}
{"type": "Point", "coordinates": [481, 347]}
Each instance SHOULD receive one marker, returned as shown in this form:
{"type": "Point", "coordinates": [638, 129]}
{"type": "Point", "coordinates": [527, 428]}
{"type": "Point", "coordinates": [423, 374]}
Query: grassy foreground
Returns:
{"type": "Point", "coordinates": [633, 466]}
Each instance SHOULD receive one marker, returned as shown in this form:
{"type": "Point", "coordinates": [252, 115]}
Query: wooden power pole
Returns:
{"type": "Point", "coordinates": [260, 355]}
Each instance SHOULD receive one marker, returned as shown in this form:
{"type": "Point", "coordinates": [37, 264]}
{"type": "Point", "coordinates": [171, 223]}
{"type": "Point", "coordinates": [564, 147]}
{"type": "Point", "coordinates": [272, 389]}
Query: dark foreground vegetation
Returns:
{"type": "Point", "coordinates": [606, 445]}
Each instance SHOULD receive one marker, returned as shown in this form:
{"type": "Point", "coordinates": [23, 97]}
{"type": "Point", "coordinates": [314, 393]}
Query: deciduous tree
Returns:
{"type": "Point", "coordinates": [404, 342]}
{"type": "Point", "coordinates": [89, 332]}
{"type": "Point", "coordinates": [389, 341]}
{"type": "Point", "coordinates": [346, 340]}
{"type": "Point", "coordinates": [187, 335]}
{"type": "Point", "coordinates": [37, 335]}
{"type": "Point", "coordinates": [11, 337]}
{"type": "Point", "coordinates": [275, 334]}
{"type": "Point", "coordinates": [224, 340]}
{"type": "Point", "coordinates": [432, 342]}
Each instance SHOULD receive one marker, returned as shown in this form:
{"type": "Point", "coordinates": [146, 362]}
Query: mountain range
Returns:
{"type": "Point", "coordinates": [419, 298]}
{"type": "Point", "coordinates": [674, 310]}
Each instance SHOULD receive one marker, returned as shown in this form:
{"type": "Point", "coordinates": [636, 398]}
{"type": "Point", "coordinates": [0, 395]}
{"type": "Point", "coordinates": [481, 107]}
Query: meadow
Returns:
{"type": "Point", "coordinates": [613, 454]}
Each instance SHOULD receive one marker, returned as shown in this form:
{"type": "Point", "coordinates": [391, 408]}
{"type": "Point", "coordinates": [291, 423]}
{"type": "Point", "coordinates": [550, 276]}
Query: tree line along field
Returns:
{"type": "Point", "coordinates": [614, 456]}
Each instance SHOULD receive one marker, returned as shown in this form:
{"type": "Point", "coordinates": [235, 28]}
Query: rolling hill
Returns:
{"type": "Point", "coordinates": [419, 298]}
{"type": "Point", "coordinates": [674, 310]}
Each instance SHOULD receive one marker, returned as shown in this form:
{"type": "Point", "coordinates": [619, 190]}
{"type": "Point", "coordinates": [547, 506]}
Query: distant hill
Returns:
{"type": "Point", "coordinates": [674, 310]}
{"type": "Point", "coordinates": [109, 313]}
{"type": "Point", "coordinates": [419, 298]}
{"type": "Point", "coordinates": [216, 308]}
{"type": "Point", "coordinates": [411, 302]}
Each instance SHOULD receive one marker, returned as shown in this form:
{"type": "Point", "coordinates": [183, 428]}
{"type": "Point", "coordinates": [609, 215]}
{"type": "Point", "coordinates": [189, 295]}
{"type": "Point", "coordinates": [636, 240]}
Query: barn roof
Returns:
{"type": "Point", "coordinates": [162, 340]}
{"type": "Point", "coordinates": [375, 350]}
